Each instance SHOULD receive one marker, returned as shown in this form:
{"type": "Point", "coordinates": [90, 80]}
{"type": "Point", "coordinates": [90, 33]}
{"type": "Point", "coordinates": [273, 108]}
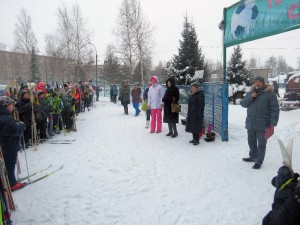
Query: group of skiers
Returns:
{"type": "Point", "coordinates": [35, 112]}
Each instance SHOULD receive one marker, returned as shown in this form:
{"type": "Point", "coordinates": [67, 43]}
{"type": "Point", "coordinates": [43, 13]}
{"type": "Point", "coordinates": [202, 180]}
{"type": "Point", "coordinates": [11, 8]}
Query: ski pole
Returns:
{"type": "Point", "coordinates": [23, 146]}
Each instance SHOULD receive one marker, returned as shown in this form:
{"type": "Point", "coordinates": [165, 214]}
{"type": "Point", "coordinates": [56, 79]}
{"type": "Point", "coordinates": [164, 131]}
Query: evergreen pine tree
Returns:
{"type": "Point", "coordinates": [236, 71]}
{"type": "Point", "coordinates": [190, 57]}
{"type": "Point", "coordinates": [34, 67]}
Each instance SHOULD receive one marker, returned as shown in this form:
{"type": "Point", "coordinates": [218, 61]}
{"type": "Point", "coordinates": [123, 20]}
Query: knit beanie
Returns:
{"type": "Point", "coordinates": [5, 101]}
{"type": "Point", "coordinates": [196, 84]}
{"type": "Point", "coordinates": [23, 92]}
{"type": "Point", "coordinates": [259, 78]}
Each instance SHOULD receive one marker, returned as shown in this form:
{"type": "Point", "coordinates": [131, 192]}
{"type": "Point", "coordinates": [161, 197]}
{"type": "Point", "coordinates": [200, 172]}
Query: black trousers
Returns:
{"type": "Point", "coordinates": [10, 164]}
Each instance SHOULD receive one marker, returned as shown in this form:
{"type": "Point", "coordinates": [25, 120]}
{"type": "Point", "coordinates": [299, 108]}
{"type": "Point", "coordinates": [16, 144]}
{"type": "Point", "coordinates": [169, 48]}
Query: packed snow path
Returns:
{"type": "Point", "coordinates": [116, 172]}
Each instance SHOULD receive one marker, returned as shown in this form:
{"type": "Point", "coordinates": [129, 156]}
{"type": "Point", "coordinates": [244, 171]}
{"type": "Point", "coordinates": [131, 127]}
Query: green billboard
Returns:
{"type": "Point", "coordinates": [248, 20]}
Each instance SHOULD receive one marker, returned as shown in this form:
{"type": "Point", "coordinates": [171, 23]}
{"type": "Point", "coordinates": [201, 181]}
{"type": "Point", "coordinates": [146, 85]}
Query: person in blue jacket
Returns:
{"type": "Point", "coordinates": [10, 133]}
{"type": "Point", "coordinates": [262, 112]}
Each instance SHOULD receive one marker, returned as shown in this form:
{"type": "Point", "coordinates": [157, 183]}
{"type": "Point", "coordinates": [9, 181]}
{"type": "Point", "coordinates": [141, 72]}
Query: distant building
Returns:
{"type": "Point", "coordinates": [16, 66]}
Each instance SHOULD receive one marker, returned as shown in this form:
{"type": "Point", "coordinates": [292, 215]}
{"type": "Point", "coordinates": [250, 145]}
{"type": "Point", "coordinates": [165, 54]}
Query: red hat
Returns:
{"type": "Point", "coordinates": [154, 78]}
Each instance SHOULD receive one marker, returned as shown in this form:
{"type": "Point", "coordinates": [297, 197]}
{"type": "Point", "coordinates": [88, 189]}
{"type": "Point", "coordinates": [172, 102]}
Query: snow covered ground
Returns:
{"type": "Point", "coordinates": [116, 172]}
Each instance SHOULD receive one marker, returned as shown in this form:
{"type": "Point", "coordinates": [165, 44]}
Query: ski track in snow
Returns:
{"type": "Point", "coordinates": [117, 173]}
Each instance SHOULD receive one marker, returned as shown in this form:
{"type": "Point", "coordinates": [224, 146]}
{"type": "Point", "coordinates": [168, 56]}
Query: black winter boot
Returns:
{"type": "Point", "coordinates": [196, 139]}
{"type": "Point", "coordinates": [169, 134]}
{"type": "Point", "coordinates": [175, 134]}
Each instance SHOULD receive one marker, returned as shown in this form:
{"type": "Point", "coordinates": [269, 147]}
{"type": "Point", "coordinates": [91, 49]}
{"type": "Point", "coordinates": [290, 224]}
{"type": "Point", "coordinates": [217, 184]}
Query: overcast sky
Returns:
{"type": "Point", "coordinates": [166, 15]}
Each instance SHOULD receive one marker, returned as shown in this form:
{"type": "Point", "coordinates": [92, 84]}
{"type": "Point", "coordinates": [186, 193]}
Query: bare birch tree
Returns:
{"type": "Point", "coordinates": [25, 39]}
{"type": "Point", "coordinates": [142, 35]}
{"type": "Point", "coordinates": [74, 38]}
{"type": "Point", "coordinates": [125, 37]}
{"type": "Point", "coordinates": [134, 35]}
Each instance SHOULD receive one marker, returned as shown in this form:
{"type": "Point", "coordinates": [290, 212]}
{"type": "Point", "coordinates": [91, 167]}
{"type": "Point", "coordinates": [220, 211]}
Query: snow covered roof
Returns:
{"type": "Point", "coordinates": [294, 76]}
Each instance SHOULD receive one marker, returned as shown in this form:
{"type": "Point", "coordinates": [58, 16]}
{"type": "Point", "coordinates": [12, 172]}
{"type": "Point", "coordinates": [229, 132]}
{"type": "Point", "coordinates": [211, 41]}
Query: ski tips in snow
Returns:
{"type": "Point", "coordinates": [63, 141]}
{"type": "Point", "coordinates": [286, 153]}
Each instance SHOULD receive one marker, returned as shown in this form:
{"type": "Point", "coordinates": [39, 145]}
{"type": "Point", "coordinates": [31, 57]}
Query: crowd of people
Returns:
{"type": "Point", "coordinates": [49, 110]}
{"type": "Point", "coordinates": [262, 114]}
{"type": "Point", "coordinates": [159, 105]}
{"type": "Point", "coordinates": [35, 112]}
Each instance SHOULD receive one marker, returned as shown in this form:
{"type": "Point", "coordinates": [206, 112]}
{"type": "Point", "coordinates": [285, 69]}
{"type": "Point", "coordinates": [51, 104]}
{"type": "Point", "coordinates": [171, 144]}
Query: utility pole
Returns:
{"type": "Point", "coordinates": [46, 72]}
{"type": "Point", "coordinates": [96, 76]}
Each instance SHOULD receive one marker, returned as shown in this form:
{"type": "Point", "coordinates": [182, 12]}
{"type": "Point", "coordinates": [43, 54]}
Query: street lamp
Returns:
{"type": "Point", "coordinates": [96, 63]}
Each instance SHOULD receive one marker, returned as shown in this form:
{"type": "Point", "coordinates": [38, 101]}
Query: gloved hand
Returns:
{"type": "Point", "coordinates": [22, 125]}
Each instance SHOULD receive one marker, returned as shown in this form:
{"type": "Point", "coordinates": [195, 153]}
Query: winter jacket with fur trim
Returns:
{"type": "Point", "coordinates": [263, 110]}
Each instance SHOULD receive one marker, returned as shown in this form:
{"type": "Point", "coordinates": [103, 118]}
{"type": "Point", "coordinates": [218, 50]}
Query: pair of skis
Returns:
{"type": "Point", "coordinates": [39, 178]}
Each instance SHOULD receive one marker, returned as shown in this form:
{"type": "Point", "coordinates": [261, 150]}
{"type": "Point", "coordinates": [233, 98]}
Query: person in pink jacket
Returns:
{"type": "Point", "coordinates": [155, 95]}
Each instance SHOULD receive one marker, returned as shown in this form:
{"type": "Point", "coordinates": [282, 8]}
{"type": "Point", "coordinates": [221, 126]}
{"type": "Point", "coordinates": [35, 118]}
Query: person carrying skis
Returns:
{"type": "Point", "coordinates": [42, 113]}
{"type": "Point", "coordinates": [10, 133]}
{"type": "Point", "coordinates": [286, 205]}
{"type": "Point", "coordinates": [56, 111]}
{"type": "Point", "coordinates": [24, 108]}
{"type": "Point", "coordinates": [67, 112]}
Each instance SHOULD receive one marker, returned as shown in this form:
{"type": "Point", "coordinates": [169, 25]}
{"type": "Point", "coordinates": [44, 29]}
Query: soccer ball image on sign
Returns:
{"type": "Point", "coordinates": [243, 19]}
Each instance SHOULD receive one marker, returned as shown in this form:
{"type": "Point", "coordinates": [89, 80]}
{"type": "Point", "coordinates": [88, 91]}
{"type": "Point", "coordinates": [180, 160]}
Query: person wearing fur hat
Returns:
{"type": "Point", "coordinates": [262, 113]}
{"type": "Point", "coordinates": [195, 113]}
{"type": "Point", "coordinates": [286, 204]}
{"type": "Point", "coordinates": [155, 95]}
{"type": "Point", "coordinates": [10, 132]}
{"type": "Point", "coordinates": [171, 96]}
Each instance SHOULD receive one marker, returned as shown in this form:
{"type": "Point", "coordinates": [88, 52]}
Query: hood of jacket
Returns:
{"type": "Point", "coordinates": [267, 88]}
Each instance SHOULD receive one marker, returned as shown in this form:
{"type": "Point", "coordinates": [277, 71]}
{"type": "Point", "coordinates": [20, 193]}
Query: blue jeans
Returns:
{"type": "Point", "coordinates": [136, 107]}
{"type": "Point", "coordinates": [257, 144]}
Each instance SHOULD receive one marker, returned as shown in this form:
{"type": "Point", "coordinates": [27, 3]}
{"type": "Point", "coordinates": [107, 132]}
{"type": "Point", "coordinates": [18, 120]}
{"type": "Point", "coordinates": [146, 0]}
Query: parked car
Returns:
{"type": "Point", "coordinates": [293, 83]}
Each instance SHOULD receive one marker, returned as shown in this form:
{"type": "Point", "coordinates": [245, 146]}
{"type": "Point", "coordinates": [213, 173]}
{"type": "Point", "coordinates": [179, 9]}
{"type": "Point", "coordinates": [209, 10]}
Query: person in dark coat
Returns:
{"type": "Point", "coordinates": [262, 112]}
{"type": "Point", "coordinates": [114, 93]}
{"type": "Point", "coordinates": [24, 108]}
{"type": "Point", "coordinates": [97, 92]}
{"type": "Point", "coordinates": [125, 96]}
{"type": "Point", "coordinates": [171, 96]}
{"type": "Point", "coordinates": [41, 115]}
{"type": "Point", "coordinates": [10, 133]}
{"type": "Point", "coordinates": [195, 114]}
{"type": "Point", "coordinates": [286, 205]}
{"type": "Point", "coordinates": [276, 88]}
